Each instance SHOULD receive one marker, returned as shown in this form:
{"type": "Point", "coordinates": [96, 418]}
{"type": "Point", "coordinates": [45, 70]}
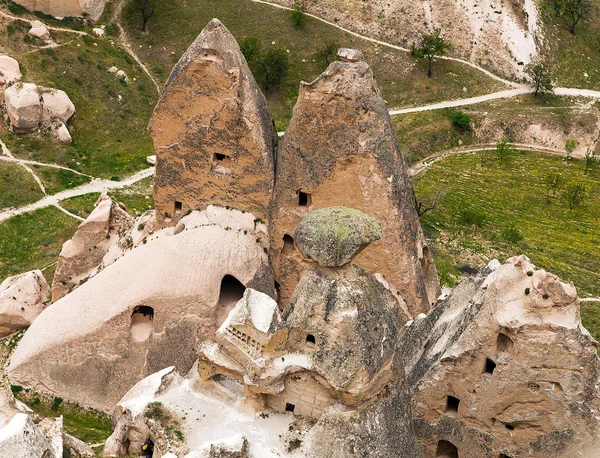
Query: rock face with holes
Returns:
{"type": "Point", "coordinates": [104, 234]}
{"type": "Point", "coordinates": [149, 309]}
{"type": "Point", "coordinates": [66, 8]}
{"type": "Point", "coordinates": [22, 299]}
{"type": "Point", "coordinates": [340, 149]}
{"type": "Point", "coordinates": [213, 133]}
{"type": "Point", "coordinates": [503, 367]}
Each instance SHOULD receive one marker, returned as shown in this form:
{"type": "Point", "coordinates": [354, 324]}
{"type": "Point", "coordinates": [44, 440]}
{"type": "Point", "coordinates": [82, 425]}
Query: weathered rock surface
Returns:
{"type": "Point", "coordinates": [39, 30]}
{"type": "Point", "coordinates": [213, 133]}
{"type": "Point", "coordinates": [24, 106]}
{"type": "Point", "coordinates": [76, 448]}
{"type": "Point", "coordinates": [66, 8]}
{"type": "Point", "coordinates": [61, 133]}
{"type": "Point", "coordinates": [333, 236]}
{"type": "Point", "coordinates": [22, 439]}
{"type": "Point", "coordinates": [56, 105]}
{"type": "Point", "coordinates": [9, 70]}
{"type": "Point", "coordinates": [81, 256]}
{"type": "Point", "coordinates": [147, 310]}
{"type": "Point", "coordinates": [22, 299]}
{"type": "Point", "coordinates": [504, 366]}
{"type": "Point", "coordinates": [340, 149]}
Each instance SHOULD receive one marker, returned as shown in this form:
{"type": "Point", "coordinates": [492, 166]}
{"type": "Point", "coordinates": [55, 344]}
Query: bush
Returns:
{"type": "Point", "coordinates": [461, 121]}
{"type": "Point", "coordinates": [251, 48]}
{"type": "Point", "coordinates": [16, 389]}
{"type": "Point", "coordinates": [470, 217]}
{"type": "Point", "coordinates": [512, 234]}
{"type": "Point", "coordinates": [298, 15]}
{"type": "Point", "coordinates": [575, 196]}
{"type": "Point", "coordinates": [272, 68]}
{"type": "Point", "coordinates": [56, 402]}
{"type": "Point", "coordinates": [327, 54]}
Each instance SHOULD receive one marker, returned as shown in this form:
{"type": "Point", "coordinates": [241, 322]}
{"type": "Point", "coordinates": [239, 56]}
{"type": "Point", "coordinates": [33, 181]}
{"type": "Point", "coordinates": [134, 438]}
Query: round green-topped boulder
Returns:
{"type": "Point", "coordinates": [333, 236]}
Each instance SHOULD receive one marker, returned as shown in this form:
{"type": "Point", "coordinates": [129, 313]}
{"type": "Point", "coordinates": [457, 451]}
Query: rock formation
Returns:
{"type": "Point", "coordinates": [148, 310]}
{"type": "Point", "coordinates": [9, 70]}
{"type": "Point", "coordinates": [503, 367]}
{"type": "Point", "coordinates": [340, 149]}
{"type": "Point", "coordinates": [39, 30]}
{"type": "Point", "coordinates": [22, 299]}
{"type": "Point", "coordinates": [66, 8]}
{"type": "Point", "coordinates": [21, 438]}
{"type": "Point", "coordinates": [213, 133]}
{"type": "Point", "coordinates": [102, 235]}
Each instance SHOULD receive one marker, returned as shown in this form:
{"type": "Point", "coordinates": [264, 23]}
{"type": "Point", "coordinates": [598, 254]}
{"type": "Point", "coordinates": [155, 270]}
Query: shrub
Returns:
{"type": "Point", "coordinates": [251, 48]}
{"type": "Point", "coordinates": [272, 68]}
{"type": "Point", "coordinates": [575, 196]}
{"type": "Point", "coordinates": [470, 217]}
{"type": "Point", "coordinates": [298, 15]}
{"type": "Point", "coordinates": [327, 54]}
{"type": "Point", "coordinates": [461, 121]}
{"type": "Point", "coordinates": [56, 402]}
{"type": "Point", "coordinates": [16, 388]}
{"type": "Point", "coordinates": [512, 234]}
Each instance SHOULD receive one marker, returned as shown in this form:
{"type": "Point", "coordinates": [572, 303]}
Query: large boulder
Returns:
{"type": "Point", "coordinates": [149, 309]}
{"type": "Point", "coordinates": [333, 236]}
{"type": "Point", "coordinates": [503, 367]}
{"type": "Point", "coordinates": [21, 438]}
{"type": "Point", "coordinates": [9, 70]}
{"type": "Point", "coordinates": [24, 106]}
{"type": "Point", "coordinates": [340, 149]}
{"type": "Point", "coordinates": [39, 30]}
{"type": "Point", "coordinates": [213, 133]}
{"type": "Point", "coordinates": [22, 299]}
{"type": "Point", "coordinates": [56, 105]}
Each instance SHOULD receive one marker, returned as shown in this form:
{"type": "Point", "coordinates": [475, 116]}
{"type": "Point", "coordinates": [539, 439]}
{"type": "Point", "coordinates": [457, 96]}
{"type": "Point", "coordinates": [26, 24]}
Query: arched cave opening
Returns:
{"type": "Point", "coordinates": [141, 326]}
{"type": "Point", "coordinates": [288, 243]}
{"type": "Point", "coordinates": [304, 199]}
{"type": "Point", "coordinates": [504, 343]}
{"type": "Point", "coordinates": [232, 290]}
{"type": "Point", "coordinates": [446, 449]}
{"type": "Point", "coordinates": [490, 366]}
{"type": "Point", "coordinates": [452, 404]}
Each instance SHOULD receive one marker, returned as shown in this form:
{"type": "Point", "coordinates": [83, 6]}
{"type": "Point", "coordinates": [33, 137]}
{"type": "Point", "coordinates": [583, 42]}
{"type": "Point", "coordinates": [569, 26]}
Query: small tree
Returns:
{"type": "Point", "coordinates": [423, 206]}
{"type": "Point", "coordinates": [146, 8]}
{"type": "Point", "coordinates": [570, 145]}
{"type": "Point", "coordinates": [432, 45]}
{"type": "Point", "coordinates": [504, 151]}
{"type": "Point", "coordinates": [553, 182]}
{"type": "Point", "coordinates": [328, 53]}
{"type": "Point", "coordinates": [298, 14]}
{"type": "Point", "coordinates": [591, 161]}
{"type": "Point", "coordinates": [541, 76]}
{"type": "Point", "coordinates": [251, 48]}
{"type": "Point", "coordinates": [571, 11]}
{"type": "Point", "coordinates": [272, 68]}
{"type": "Point", "coordinates": [575, 196]}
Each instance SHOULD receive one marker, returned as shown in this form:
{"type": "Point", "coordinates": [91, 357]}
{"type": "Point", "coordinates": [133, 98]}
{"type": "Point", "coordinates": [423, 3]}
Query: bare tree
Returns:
{"type": "Point", "coordinates": [146, 8]}
{"type": "Point", "coordinates": [423, 207]}
{"type": "Point", "coordinates": [571, 11]}
{"type": "Point", "coordinates": [575, 196]}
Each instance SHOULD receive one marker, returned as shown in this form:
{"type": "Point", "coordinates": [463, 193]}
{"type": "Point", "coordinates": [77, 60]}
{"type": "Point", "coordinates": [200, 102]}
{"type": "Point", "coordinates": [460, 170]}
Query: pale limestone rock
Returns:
{"type": "Point", "coordinates": [56, 105]}
{"type": "Point", "coordinates": [66, 8]}
{"type": "Point", "coordinates": [340, 149]}
{"type": "Point", "coordinates": [213, 133]}
{"type": "Point", "coordinates": [234, 447]}
{"type": "Point", "coordinates": [151, 159]}
{"type": "Point", "coordinates": [76, 447]}
{"type": "Point", "coordinates": [9, 70]}
{"type": "Point", "coordinates": [52, 429]}
{"type": "Point", "coordinates": [99, 32]}
{"type": "Point", "coordinates": [61, 133]}
{"type": "Point", "coordinates": [22, 299]}
{"type": "Point", "coordinates": [22, 439]}
{"type": "Point", "coordinates": [521, 370]}
{"type": "Point", "coordinates": [24, 106]}
{"type": "Point", "coordinates": [176, 277]}
{"type": "Point", "coordinates": [350, 55]}
{"type": "Point", "coordinates": [39, 30]}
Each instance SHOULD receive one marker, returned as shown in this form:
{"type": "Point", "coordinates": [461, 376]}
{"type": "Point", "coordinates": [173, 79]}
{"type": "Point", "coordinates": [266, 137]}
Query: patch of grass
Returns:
{"type": "Point", "coordinates": [403, 81]}
{"type": "Point", "coordinates": [17, 186]}
{"type": "Point", "coordinates": [56, 180]}
{"type": "Point", "coordinates": [518, 216]}
{"type": "Point", "coordinates": [89, 425]}
{"type": "Point", "coordinates": [81, 205]}
{"type": "Point", "coordinates": [33, 241]}
{"type": "Point", "coordinates": [590, 316]}
{"type": "Point", "coordinates": [137, 197]}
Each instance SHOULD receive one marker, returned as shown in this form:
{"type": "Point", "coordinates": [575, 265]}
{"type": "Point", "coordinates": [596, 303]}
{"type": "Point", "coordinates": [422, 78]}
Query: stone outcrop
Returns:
{"type": "Point", "coordinates": [9, 70]}
{"type": "Point", "coordinates": [213, 133]}
{"type": "Point", "coordinates": [340, 149]}
{"type": "Point", "coordinates": [22, 299]}
{"type": "Point", "coordinates": [66, 8]}
{"type": "Point", "coordinates": [338, 232]}
{"type": "Point", "coordinates": [149, 309]}
{"type": "Point", "coordinates": [503, 367]}
{"type": "Point", "coordinates": [29, 105]}
{"type": "Point", "coordinates": [21, 438]}
{"type": "Point", "coordinates": [102, 235]}
{"type": "Point", "coordinates": [39, 30]}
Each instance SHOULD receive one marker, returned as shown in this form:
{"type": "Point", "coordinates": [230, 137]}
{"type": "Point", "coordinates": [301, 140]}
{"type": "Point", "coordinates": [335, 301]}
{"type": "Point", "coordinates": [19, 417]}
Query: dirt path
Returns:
{"type": "Point", "coordinates": [96, 185]}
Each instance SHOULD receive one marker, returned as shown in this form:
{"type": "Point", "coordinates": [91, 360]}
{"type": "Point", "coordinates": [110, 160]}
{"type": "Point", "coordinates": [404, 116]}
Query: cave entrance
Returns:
{"type": "Point", "coordinates": [142, 325]}
{"type": "Point", "coordinates": [446, 449]}
{"type": "Point", "coordinates": [288, 243]}
{"type": "Point", "coordinates": [304, 199]}
{"type": "Point", "coordinates": [232, 290]}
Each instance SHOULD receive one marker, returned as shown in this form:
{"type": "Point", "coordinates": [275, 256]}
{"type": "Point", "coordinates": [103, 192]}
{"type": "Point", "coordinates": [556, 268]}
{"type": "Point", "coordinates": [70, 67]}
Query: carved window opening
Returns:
{"type": "Point", "coordinates": [304, 199]}
{"type": "Point", "coordinates": [452, 404]}
{"type": "Point", "coordinates": [502, 455]}
{"type": "Point", "coordinates": [310, 341]}
{"type": "Point", "coordinates": [178, 207]}
{"type": "Point", "coordinates": [142, 326]}
{"type": "Point", "coordinates": [504, 343]}
{"type": "Point", "coordinates": [289, 407]}
{"type": "Point", "coordinates": [490, 366]}
{"type": "Point", "coordinates": [288, 243]}
{"type": "Point", "coordinates": [509, 427]}
{"type": "Point", "coordinates": [446, 449]}
{"type": "Point", "coordinates": [232, 290]}
{"type": "Point", "coordinates": [221, 163]}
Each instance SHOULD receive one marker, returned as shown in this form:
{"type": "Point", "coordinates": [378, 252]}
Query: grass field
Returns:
{"type": "Point", "coordinates": [502, 211]}
{"type": "Point", "coordinates": [403, 82]}
{"type": "Point", "coordinates": [17, 186]}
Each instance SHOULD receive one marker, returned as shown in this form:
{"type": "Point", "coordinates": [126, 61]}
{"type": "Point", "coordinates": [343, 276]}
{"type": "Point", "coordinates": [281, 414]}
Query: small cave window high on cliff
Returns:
{"type": "Point", "coordinates": [230, 293]}
{"type": "Point", "coordinates": [452, 405]}
{"type": "Point", "coordinates": [304, 199]}
{"type": "Point", "coordinates": [502, 455]}
{"type": "Point", "coordinates": [289, 407]}
{"type": "Point", "coordinates": [505, 343]}
{"type": "Point", "coordinates": [446, 449]}
{"type": "Point", "coordinates": [288, 243]}
{"type": "Point", "coordinates": [489, 366]}
{"type": "Point", "coordinates": [310, 341]}
{"type": "Point", "coordinates": [178, 207]}
{"type": "Point", "coordinates": [220, 159]}
{"type": "Point", "coordinates": [141, 323]}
